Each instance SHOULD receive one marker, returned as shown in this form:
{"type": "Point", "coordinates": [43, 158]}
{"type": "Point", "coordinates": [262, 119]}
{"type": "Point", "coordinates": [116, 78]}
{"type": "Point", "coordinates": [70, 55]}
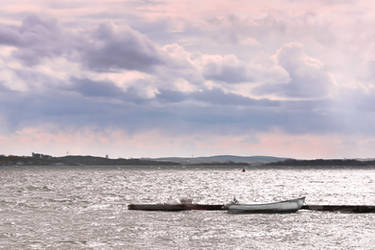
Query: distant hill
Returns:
{"type": "Point", "coordinates": [74, 160]}
{"type": "Point", "coordinates": [323, 163]}
{"type": "Point", "coordinates": [218, 160]}
{"type": "Point", "coordinates": [222, 159]}
{"type": "Point", "coordinates": [87, 160]}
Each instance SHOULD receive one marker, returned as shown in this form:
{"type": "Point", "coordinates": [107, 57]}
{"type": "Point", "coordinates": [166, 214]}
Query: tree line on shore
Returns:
{"type": "Point", "coordinates": [77, 160]}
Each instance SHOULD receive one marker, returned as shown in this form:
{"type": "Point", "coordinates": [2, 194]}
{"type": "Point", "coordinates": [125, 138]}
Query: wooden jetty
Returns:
{"type": "Point", "coordinates": [183, 207]}
{"type": "Point", "coordinates": [174, 207]}
{"type": "Point", "coordinates": [157, 207]}
{"type": "Point", "coordinates": [341, 208]}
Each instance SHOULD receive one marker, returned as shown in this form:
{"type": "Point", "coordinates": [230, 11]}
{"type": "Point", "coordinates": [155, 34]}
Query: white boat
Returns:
{"type": "Point", "coordinates": [287, 206]}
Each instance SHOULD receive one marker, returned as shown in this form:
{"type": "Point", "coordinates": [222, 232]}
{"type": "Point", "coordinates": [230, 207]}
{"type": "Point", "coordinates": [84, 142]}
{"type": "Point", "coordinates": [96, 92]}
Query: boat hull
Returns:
{"type": "Point", "coordinates": [288, 206]}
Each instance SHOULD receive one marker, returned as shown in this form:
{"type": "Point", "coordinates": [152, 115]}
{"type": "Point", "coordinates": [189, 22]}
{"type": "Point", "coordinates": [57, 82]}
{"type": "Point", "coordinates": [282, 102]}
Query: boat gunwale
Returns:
{"type": "Point", "coordinates": [271, 203]}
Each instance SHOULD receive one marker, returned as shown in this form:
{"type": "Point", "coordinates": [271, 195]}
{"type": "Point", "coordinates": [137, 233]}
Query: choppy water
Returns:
{"type": "Point", "coordinates": [72, 208]}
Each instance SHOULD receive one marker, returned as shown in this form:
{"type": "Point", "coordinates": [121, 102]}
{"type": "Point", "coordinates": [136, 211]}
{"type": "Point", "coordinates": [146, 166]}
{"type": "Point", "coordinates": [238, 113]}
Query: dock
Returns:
{"type": "Point", "coordinates": [212, 207]}
{"type": "Point", "coordinates": [341, 208]}
{"type": "Point", "coordinates": [174, 207]}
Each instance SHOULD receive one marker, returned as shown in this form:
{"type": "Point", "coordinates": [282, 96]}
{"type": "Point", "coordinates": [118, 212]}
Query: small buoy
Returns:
{"type": "Point", "coordinates": [243, 170]}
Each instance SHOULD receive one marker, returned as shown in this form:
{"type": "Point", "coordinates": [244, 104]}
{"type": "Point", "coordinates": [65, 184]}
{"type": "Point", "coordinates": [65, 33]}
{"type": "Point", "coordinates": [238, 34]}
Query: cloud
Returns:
{"type": "Point", "coordinates": [224, 68]}
{"type": "Point", "coordinates": [213, 97]}
{"type": "Point", "coordinates": [240, 68]}
{"type": "Point", "coordinates": [110, 50]}
{"type": "Point", "coordinates": [36, 38]}
{"type": "Point", "coordinates": [307, 76]}
{"type": "Point", "coordinates": [10, 36]}
{"type": "Point", "coordinates": [104, 49]}
{"type": "Point", "coordinates": [89, 88]}
{"type": "Point", "coordinates": [101, 105]}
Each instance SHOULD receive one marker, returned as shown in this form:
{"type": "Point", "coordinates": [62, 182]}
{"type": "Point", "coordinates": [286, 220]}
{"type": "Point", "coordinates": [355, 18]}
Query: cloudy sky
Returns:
{"type": "Point", "coordinates": [145, 78]}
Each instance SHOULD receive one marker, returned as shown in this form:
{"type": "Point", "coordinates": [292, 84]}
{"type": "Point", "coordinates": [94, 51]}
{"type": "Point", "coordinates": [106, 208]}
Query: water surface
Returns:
{"type": "Point", "coordinates": [86, 208]}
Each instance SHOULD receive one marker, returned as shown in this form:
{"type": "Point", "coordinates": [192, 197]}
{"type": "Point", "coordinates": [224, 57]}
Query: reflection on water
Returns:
{"type": "Point", "coordinates": [87, 208]}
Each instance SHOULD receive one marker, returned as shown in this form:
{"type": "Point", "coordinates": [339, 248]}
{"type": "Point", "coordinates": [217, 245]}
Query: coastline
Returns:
{"type": "Point", "coordinates": [92, 161]}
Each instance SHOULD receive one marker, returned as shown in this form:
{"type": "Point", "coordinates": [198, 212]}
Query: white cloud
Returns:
{"type": "Point", "coordinates": [308, 77]}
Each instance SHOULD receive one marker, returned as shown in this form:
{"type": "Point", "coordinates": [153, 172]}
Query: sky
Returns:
{"type": "Point", "coordinates": [145, 78]}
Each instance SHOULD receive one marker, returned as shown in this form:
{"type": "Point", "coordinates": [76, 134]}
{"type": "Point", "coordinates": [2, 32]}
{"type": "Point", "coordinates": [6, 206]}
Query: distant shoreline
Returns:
{"type": "Point", "coordinates": [209, 162]}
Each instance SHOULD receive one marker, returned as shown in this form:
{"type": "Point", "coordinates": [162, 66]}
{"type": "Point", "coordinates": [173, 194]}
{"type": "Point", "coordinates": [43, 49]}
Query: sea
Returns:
{"type": "Point", "coordinates": [86, 208]}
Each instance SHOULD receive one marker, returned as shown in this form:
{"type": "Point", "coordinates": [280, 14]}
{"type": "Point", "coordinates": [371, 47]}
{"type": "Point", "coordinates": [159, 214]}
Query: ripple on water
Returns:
{"type": "Point", "coordinates": [83, 208]}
